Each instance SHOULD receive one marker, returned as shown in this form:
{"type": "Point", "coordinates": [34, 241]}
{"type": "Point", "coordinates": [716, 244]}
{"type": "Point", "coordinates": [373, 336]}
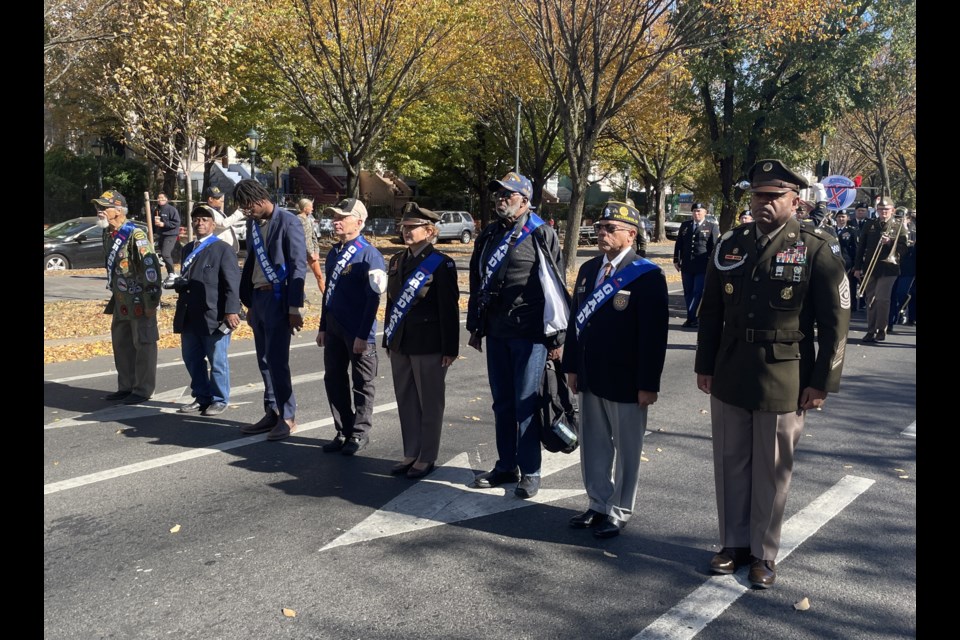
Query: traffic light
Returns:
{"type": "Point", "coordinates": [823, 169]}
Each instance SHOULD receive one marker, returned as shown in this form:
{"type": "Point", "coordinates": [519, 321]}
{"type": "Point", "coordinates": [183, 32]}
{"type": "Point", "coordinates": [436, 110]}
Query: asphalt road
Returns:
{"type": "Point", "coordinates": [356, 553]}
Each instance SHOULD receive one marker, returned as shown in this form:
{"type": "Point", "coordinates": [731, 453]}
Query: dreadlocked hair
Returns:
{"type": "Point", "coordinates": [248, 192]}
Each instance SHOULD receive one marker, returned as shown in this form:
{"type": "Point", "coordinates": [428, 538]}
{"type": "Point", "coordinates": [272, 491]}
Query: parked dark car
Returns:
{"type": "Point", "coordinates": [75, 244]}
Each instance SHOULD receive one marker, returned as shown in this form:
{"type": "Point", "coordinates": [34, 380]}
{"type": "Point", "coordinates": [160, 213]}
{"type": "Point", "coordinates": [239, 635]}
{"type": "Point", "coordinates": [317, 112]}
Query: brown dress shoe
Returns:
{"type": "Point", "coordinates": [729, 559]}
{"type": "Point", "coordinates": [762, 573]}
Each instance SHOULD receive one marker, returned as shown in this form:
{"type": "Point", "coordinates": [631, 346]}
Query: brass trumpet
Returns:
{"type": "Point", "coordinates": [890, 259]}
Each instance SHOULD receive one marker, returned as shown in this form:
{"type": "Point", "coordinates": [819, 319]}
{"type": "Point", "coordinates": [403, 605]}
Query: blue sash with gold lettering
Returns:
{"type": "Point", "coordinates": [409, 293]}
{"type": "Point", "coordinates": [610, 287]}
{"type": "Point", "coordinates": [350, 251]}
{"type": "Point", "coordinates": [274, 276]}
{"type": "Point", "coordinates": [496, 259]}
{"type": "Point", "coordinates": [122, 234]}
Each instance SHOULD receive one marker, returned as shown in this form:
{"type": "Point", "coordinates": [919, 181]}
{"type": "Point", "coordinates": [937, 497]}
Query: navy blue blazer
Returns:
{"type": "Point", "coordinates": [622, 347]}
{"type": "Point", "coordinates": [285, 244]}
{"type": "Point", "coordinates": [213, 289]}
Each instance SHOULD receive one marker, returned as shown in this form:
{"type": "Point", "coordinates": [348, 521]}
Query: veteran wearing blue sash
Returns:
{"type": "Point", "coordinates": [208, 310]}
{"type": "Point", "coordinates": [421, 337]}
{"type": "Point", "coordinates": [356, 277]}
{"type": "Point", "coordinates": [271, 286]}
{"type": "Point", "coordinates": [133, 278]}
{"type": "Point", "coordinates": [769, 283]}
{"type": "Point", "coordinates": [613, 357]}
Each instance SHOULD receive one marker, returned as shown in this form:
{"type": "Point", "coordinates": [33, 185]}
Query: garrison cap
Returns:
{"type": "Point", "coordinates": [621, 212]}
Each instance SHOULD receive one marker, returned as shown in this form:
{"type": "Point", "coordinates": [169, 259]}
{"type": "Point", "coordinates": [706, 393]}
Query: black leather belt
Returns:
{"type": "Point", "coordinates": [773, 335]}
{"type": "Point", "coordinates": [264, 287]}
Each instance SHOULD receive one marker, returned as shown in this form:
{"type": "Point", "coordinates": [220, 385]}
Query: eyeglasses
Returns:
{"type": "Point", "coordinates": [505, 195]}
{"type": "Point", "coordinates": [607, 227]}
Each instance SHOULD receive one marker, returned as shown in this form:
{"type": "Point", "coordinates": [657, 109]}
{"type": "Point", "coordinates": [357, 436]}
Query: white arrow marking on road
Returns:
{"type": "Point", "coordinates": [911, 431]}
{"type": "Point", "coordinates": [444, 497]}
{"type": "Point", "coordinates": [696, 611]}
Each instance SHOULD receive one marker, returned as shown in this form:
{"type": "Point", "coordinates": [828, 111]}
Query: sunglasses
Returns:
{"type": "Point", "coordinates": [607, 227]}
{"type": "Point", "coordinates": [505, 195]}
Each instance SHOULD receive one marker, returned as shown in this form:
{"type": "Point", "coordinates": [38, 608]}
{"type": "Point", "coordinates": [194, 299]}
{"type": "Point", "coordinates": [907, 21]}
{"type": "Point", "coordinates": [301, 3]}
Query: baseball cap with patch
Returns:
{"type": "Point", "coordinates": [213, 192]}
{"type": "Point", "coordinates": [514, 182]}
{"type": "Point", "coordinates": [111, 198]}
{"type": "Point", "coordinates": [415, 213]}
{"type": "Point", "coordinates": [772, 176]}
{"type": "Point", "coordinates": [621, 212]}
{"type": "Point", "coordinates": [348, 207]}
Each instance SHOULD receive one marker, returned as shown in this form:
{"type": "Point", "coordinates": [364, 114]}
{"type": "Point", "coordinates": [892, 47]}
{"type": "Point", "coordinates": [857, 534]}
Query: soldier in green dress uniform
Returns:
{"type": "Point", "coordinates": [769, 283]}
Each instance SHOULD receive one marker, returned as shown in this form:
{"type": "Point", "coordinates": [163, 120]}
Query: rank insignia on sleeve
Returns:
{"type": "Point", "coordinates": [728, 288]}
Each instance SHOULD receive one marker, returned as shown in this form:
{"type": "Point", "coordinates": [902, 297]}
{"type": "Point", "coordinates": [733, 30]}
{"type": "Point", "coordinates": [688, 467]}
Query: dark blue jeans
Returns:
{"type": "Point", "coordinates": [692, 292]}
{"type": "Point", "coordinates": [515, 368]}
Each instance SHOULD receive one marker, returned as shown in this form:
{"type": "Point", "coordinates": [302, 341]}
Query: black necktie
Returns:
{"type": "Point", "coordinates": [762, 242]}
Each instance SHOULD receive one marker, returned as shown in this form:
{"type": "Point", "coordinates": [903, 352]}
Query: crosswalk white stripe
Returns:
{"type": "Point", "coordinates": [109, 474]}
{"type": "Point", "coordinates": [692, 614]}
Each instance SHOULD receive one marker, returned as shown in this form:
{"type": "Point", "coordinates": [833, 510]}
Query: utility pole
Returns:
{"type": "Point", "coordinates": [516, 159]}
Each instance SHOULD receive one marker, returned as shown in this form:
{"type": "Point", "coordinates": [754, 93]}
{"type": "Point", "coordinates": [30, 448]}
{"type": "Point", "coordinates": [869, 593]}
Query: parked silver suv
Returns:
{"type": "Point", "coordinates": [456, 225]}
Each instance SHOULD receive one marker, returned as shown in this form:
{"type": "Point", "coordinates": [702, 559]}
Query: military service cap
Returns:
{"type": "Point", "coordinates": [415, 213]}
{"type": "Point", "coordinates": [772, 176]}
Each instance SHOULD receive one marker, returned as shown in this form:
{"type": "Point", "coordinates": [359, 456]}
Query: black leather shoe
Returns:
{"type": "Point", "coordinates": [354, 444]}
{"type": "Point", "coordinates": [587, 519]}
{"type": "Point", "coordinates": [117, 395]}
{"type": "Point", "coordinates": [215, 408]}
{"type": "Point", "coordinates": [495, 478]}
{"type": "Point", "coordinates": [413, 474]}
{"type": "Point", "coordinates": [193, 407]}
{"type": "Point", "coordinates": [762, 573]}
{"type": "Point", "coordinates": [134, 398]}
{"type": "Point", "coordinates": [266, 423]}
{"type": "Point", "coordinates": [869, 337]}
{"type": "Point", "coordinates": [401, 468]}
{"type": "Point", "coordinates": [528, 487]}
{"type": "Point", "coordinates": [881, 335]}
{"type": "Point", "coordinates": [610, 528]}
{"type": "Point", "coordinates": [335, 445]}
{"type": "Point", "coordinates": [729, 559]}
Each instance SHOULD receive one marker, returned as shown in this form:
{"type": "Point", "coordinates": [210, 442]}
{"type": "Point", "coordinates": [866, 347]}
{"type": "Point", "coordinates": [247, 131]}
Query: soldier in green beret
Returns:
{"type": "Point", "coordinates": [768, 284]}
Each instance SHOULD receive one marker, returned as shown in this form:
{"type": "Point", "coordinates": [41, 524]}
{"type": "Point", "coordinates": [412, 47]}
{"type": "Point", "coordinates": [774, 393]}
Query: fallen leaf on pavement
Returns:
{"type": "Point", "coordinates": [175, 528]}
{"type": "Point", "coordinates": [290, 613]}
{"type": "Point", "coordinates": [803, 605]}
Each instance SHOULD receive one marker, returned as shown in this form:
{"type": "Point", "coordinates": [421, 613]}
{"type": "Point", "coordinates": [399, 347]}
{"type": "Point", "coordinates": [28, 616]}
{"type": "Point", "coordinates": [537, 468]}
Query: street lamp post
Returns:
{"type": "Point", "coordinates": [253, 141]}
{"type": "Point", "coordinates": [97, 147]}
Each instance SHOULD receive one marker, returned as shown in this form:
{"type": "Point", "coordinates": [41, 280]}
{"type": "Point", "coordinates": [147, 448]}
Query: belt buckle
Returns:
{"type": "Point", "coordinates": [749, 335]}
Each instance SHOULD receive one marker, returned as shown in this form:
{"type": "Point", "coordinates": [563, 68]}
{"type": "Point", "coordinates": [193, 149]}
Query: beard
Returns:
{"type": "Point", "coordinates": [509, 211]}
{"type": "Point", "coordinates": [103, 223]}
